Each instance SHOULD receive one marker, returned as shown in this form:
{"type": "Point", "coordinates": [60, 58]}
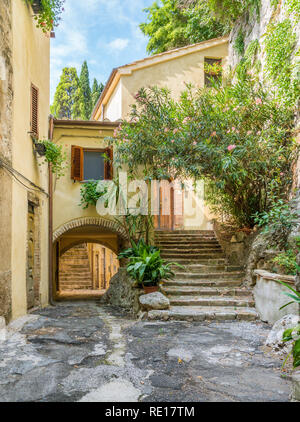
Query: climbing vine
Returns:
{"type": "Point", "coordinates": [279, 43]}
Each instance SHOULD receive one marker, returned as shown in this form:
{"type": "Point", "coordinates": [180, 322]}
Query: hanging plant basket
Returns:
{"type": "Point", "coordinates": [40, 149]}
{"type": "Point", "coordinates": [36, 6]}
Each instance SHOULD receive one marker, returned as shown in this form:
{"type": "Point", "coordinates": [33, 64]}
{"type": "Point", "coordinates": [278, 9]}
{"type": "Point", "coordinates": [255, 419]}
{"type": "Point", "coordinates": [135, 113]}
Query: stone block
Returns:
{"type": "Point", "coordinates": [156, 301]}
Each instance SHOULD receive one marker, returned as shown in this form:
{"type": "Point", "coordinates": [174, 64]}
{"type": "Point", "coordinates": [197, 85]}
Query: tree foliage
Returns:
{"type": "Point", "coordinates": [68, 96]}
{"type": "Point", "coordinates": [86, 97]}
{"type": "Point", "coordinates": [169, 25]}
{"type": "Point", "coordinates": [96, 91]}
{"type": "Point", "coordinates": [236, 136]}
{"type": "Point", "coordinates": [74, 98]}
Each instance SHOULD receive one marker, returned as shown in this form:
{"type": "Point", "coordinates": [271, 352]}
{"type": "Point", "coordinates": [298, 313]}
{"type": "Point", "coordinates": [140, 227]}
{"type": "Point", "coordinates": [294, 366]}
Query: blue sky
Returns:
{"type": "Point", "coordinates": [104, 32]}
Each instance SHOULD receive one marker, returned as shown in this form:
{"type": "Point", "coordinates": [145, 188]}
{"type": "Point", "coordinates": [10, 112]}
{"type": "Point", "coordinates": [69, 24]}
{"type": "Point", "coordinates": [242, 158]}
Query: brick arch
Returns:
{"type": "Point", "coordinates": [104, 223]}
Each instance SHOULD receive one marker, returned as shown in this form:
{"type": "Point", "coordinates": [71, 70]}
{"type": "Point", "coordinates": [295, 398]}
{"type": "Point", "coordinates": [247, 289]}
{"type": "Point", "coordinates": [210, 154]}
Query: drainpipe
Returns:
{"type": "Point", "coordinates": [50, 231]}
{"type": "Point", "coordinates": [50, 228]}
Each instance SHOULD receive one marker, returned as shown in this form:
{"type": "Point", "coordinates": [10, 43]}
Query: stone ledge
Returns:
{"type": "Point", "coordinates": [290, 279]}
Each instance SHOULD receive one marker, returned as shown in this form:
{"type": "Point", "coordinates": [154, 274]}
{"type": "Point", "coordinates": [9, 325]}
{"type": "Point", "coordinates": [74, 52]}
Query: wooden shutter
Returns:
{"type": "Point", "coordinates": [108, 174]}
{"type": "Point", "coordinates": [77, 163]}
{"type": "Point", "coordinates": [34, 111]}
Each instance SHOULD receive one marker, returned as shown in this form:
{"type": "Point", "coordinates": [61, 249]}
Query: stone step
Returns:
{"type": "Point", "coordinates": [204, 283]}
{"type": "Point", "coordinates": [206, 276]}
{"type": "Point", "coordinates": [188, 247]}
{"type": "Point", "coordinates": [211, 301]}
{"type": "Point", "coordinates": [75, 287]}
{"type": "Point", "coordinates": [75, 274]}
{"type": "Point", "coordinates": [194, 256]}
{"type": "Point", "coordinates": [184, 232]}
{"type": "Point", "coordinates": [201, 268]}
{"type": "Point", "coordinates": [189, 250]}
{"type": "Point", "coordinates": [204, 291]}
{"type": "Point", "coordinates": [204, 313]}
{"type": "Point", "coordinates": [196, 261]}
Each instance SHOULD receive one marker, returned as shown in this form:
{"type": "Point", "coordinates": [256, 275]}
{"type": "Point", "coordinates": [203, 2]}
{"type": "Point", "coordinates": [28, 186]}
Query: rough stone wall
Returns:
{"type": "Point", "coordinates": [6, 96]}
{"type": "Point", "coordinates": [122, 293]}
{"type": "Point", "coordinates": [254, 28]}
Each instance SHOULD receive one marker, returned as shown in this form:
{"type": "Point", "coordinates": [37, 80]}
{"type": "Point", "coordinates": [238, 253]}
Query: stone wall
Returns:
{"type": "Point", "coordinates": [254, 27]}
{"type": "Point", "coordinates": [6, 97]}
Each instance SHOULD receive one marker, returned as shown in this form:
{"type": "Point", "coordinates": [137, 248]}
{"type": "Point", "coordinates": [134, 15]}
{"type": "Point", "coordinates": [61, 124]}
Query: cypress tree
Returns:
{"type": "Point", "coordinates": [68, 96]}
{"type": "Point", "coordinates": [86, 100]}
{"type": "Point", "coordinates": [96, 91]}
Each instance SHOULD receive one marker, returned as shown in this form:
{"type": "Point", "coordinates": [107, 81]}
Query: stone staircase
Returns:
{"type": "Point", "coordinates": [74, 270]}
{"type": "Point", "coordinates": [207, 288]}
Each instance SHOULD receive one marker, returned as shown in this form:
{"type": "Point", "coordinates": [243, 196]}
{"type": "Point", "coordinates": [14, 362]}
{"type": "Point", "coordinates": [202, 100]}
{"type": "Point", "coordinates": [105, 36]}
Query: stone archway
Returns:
{"type": "Point", "coordinates": [85, 230]}
{"type": "Point", "coordinates": [104, 223]}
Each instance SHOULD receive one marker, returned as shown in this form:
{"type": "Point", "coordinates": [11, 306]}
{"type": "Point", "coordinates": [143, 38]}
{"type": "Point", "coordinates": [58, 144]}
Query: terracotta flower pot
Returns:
{"type": "Point", "coordinates": [150, 289]}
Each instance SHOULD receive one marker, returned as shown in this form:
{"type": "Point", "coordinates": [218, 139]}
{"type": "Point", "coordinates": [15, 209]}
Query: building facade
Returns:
{"type": "Point", "coordinates": [24, 196]}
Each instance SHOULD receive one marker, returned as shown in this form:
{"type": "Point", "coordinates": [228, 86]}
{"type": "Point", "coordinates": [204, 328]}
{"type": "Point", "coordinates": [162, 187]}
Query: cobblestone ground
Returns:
{"type": "Point", "coordinates": [83, 352]}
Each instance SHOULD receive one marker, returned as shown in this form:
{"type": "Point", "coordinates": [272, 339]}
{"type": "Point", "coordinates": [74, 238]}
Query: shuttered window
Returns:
{"type": "Point", "coordinates": [34, 111]}
{"type": "Point", "coordinates": [89, 164]}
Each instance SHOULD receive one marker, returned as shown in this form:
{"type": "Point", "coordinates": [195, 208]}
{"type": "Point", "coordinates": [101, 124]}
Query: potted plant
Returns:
{"type": "Point", "coordinates": [36, 6]}
{"type": "Point", "coordinates": [53, 154]}
{"type": "Point", "coordinates": [147, 267]}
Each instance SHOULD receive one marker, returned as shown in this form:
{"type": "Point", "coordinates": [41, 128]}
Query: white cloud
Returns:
{"type": "Point", "coordinates": [119, 44]}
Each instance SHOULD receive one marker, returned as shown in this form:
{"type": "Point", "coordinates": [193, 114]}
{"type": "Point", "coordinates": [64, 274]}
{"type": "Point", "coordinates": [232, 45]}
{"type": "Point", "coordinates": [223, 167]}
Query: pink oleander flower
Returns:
{"type": "Point", "coordinates": [175, 131]}
{"type": "Point", "coordinates": [173, 141]}
{"type": "Point", "coordinates": [259, 132]}
{"type": "Point", "coordinates": [249, 132]}
{"type": "Point", "coordinates": [233, 128]}
{"type": "Point", "coordinates": [281, 174]}
{"type": "Point", "coordinates": [214, 133]}
{"type": "Point", "coordinates": [231, 147]}
{"type": "Point", "coordinates": [228, 131]}
{"type": "Point", "coordinates": [194, 143]}
{"type": "Point", "coordinates": [166, 130]}
{"type": "Point", "coordinates": [186, 119]}
{"type": "Point", "coordinates": [258, 101]}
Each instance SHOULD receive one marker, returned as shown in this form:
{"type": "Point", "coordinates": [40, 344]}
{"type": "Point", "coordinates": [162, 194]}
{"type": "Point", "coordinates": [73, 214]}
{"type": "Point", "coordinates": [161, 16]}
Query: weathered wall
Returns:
{"type": "Point", "coordinates": [6, 97]}
{"type": "Point", "coordinates": [254, 28]}
{"type": "Point", "coordinates": [31, 64]}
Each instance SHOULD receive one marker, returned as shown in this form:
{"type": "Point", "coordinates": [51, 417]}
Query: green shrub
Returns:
{"type": "Point", "coordinates": [287, 262]}
{"type": "Point", "coordinates": [90, 194]}
{"type": "Point", "coordinates": [146, 266]}
{"type": "Point", "coordinates": [278, 222]}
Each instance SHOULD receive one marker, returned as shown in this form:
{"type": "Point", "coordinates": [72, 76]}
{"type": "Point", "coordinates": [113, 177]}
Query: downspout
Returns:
{"type": "Point", "coordinates": [50, 227]}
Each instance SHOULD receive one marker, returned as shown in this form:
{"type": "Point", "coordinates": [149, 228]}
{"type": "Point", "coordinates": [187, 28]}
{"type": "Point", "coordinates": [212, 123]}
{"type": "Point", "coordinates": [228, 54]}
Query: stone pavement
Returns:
{"type": "Point", "coordinates": [84, 352]}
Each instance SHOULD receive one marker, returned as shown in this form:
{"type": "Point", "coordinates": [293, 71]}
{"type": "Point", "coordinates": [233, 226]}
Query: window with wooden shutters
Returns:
{"type": "Point", "coordinates": [34, 111]}
{"type": "Point", "coordinates": [77, 163]}
{"type": "Point", "coordinates": [90, 164]}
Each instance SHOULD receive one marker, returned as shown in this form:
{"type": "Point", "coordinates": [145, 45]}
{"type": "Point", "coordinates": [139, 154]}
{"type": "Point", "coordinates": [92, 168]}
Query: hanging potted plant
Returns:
{"type": "Point", "coordinates": [53, 154]}
{"type": "Point", "coordinates": [46, 13]}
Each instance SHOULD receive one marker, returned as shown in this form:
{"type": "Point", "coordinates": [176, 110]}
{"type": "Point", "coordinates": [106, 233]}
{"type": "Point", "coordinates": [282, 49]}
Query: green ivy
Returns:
{"type": "Point", "coordinates": [90, 194]}
{"type": "Point", "coordinates": [293, 8]}
{"type": "Point", "coordinates": [239, 44]}
{"type": "Point", "coordinates": [280, 40]}
{"type": "Point", "coordinates": [249, 60]}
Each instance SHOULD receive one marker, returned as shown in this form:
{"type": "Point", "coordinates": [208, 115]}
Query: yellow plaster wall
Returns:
{"type": "Point", "coordinates": [173, 74]}
{"type": "Point", "coordinates": [66, 197]}
{"type": "Point", "coordinates": [113, 109]}
{"type": "Point", "coordinates": [31, 64]}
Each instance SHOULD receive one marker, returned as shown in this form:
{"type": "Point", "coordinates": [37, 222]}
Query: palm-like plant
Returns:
{"type": "Point", "coordinates": [146, 266]}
